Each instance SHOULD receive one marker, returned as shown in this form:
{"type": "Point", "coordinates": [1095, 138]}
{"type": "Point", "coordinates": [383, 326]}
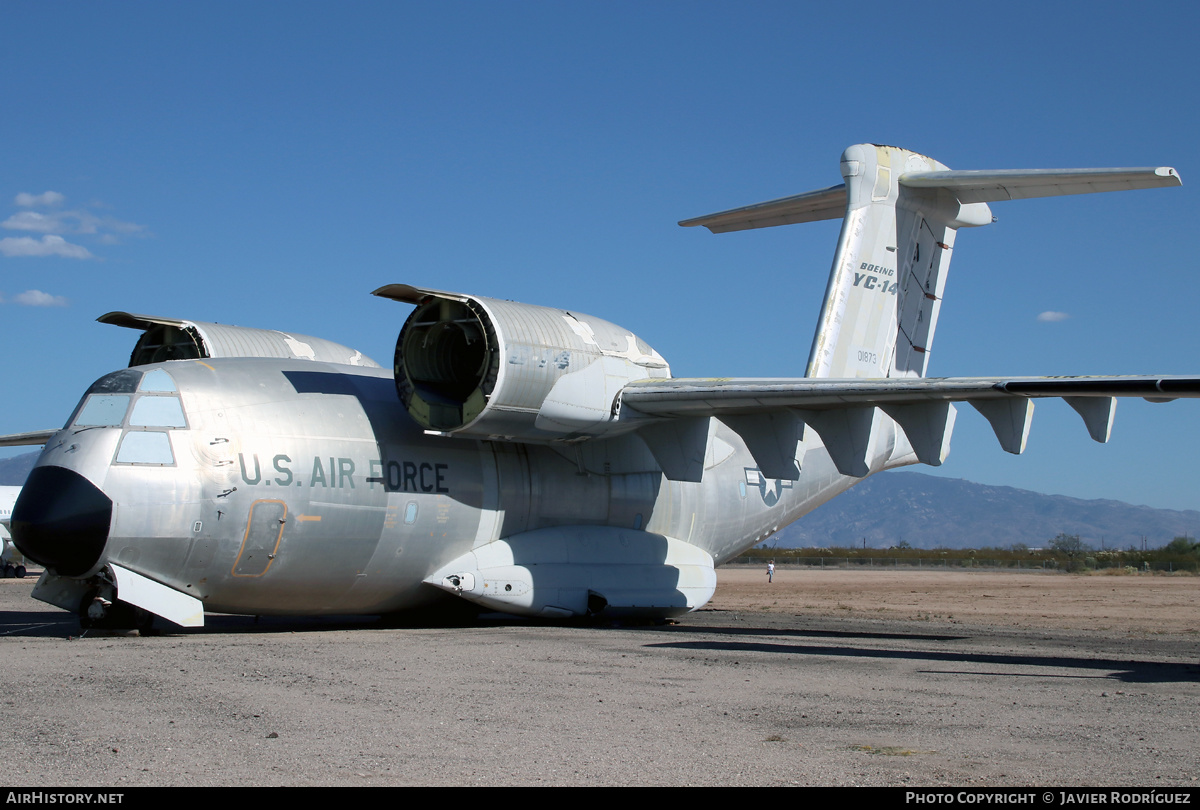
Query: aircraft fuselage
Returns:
{"type": "Point", "coordinates": [274, 487]}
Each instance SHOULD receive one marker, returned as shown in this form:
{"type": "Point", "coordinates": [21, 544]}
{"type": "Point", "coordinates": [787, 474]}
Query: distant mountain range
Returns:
{"type": "Point", "coordinates": [14, 471]}
{"type": "Point", "coordinates": [931, 512]}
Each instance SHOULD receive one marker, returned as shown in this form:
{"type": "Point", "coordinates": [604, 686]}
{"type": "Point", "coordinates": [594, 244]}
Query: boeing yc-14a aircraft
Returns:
{"type": "Point", "coordinates": [527, 459]}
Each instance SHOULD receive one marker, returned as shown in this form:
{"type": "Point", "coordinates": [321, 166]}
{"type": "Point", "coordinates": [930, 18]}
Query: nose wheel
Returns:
{"type": "Point", "coordinates": [99, 611]}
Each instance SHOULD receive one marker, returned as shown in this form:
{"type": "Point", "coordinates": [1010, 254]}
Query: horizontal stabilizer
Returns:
{"type": "Point", "coordinates": [812, 206]}
{"type": "Point", "coordinates": [1022, 184]}
{"type": "Point", "coordinates": [967, 186]}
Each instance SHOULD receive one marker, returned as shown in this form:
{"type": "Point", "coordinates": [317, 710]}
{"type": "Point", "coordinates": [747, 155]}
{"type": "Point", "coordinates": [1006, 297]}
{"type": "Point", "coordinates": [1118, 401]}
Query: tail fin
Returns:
{"type": "Point", "coordinates": [885, 288]}
{"type": "Point", "coordinates": [901, 212]}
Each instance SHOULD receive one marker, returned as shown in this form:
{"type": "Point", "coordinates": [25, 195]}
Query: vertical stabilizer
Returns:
{"type": "Point", "coordinates": [889, 272]}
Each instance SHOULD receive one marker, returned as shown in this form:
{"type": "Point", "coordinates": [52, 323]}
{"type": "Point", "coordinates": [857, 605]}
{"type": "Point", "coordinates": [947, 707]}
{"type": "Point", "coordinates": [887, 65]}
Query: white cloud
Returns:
{"type": "Point", "coordinates": [66, 222]}
{"type": "Point", "coordinates": [1050, 316]}
{"type": "Point", "coordinates": [55, 224]}
{"type": "Point", "coordinates": [33, 221]}
{"type": "Point", "coordinates": [48, 245]}
{"type": "Point", "coordinates": [37, 298]}
{"type": "Point", "coordinates": [26, 200]}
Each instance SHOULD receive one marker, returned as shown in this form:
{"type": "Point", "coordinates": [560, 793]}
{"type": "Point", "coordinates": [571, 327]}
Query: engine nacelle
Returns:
{"type": "Point", "coordinates": [174, 339]}
{"type": "Point", "coordinates": [475, 366]}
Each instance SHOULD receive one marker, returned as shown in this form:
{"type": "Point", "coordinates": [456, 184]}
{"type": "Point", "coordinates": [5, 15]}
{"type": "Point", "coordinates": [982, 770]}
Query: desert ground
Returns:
{"type": "Point", "coordinates": [1101, 602]}
{"type": "Point", "coordinates": [824, 677]}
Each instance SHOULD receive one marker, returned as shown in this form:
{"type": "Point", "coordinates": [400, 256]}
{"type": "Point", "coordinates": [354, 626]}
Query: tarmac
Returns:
{"type": "Point", "coordinates": [729, 695]}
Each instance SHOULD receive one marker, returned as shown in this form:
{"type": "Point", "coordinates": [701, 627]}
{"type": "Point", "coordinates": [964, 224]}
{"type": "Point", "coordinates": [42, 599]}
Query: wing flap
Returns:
{"type": "Point", "coordinates": [770, 415]}
{"type": "Point", "coordinates": [715, 397]}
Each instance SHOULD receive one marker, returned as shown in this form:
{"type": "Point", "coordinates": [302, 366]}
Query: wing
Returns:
{"type": "Point", "coordinates": [770, 414]}
{"type": "Point", "coordinates": [30, 439]}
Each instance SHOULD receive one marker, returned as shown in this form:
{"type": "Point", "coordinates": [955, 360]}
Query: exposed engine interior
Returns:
{"type": "Point", "coordinates": [495, 369]}
{"type": "Point", "coordinates": [447, 358]}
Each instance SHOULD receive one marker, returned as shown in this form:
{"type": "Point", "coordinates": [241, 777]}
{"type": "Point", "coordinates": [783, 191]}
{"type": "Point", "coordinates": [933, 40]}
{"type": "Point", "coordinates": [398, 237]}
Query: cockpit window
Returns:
{"type": "Point", "coordinates": [145, 447]}
{"type": "Point", "coordinates": [157, 412]}
{"type": "Point", "coordinates": [103, 410]}
{"type": "Point", "coordinates": [146, 406]}
{"type": "Point", "coordinates": [119, 382]}
{"type": "Point", "coordinates": [157, 381]}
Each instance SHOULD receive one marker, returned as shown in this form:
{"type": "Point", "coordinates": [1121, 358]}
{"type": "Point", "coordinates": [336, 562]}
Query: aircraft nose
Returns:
{"type": "Point", "coordinates": [61, 520]}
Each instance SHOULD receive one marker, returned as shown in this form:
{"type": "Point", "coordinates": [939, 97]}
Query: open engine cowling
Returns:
{"type": "Point", "coordinates": [475, 366]}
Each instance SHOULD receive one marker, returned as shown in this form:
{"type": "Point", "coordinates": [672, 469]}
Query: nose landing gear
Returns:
{"type": "Point", "coordinates": [101, 610]}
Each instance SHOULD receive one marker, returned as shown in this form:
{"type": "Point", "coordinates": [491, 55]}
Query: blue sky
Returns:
{"type": "Point", "coordinates": [269, 164]}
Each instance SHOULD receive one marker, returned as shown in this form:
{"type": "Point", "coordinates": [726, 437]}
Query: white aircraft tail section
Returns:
{"type": "Point", "coordinates": [901, 212]}
{"type": "Point", "coordinates": [885, 288]}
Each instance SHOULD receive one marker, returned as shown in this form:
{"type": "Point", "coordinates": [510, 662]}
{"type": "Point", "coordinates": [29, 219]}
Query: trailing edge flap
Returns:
{"type": "Point", "coordinates": [1005, 402]}
{"type": "Point", "coordinates": [683, 396]}
{"type": "Point", "coordinates": [967, 186]}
